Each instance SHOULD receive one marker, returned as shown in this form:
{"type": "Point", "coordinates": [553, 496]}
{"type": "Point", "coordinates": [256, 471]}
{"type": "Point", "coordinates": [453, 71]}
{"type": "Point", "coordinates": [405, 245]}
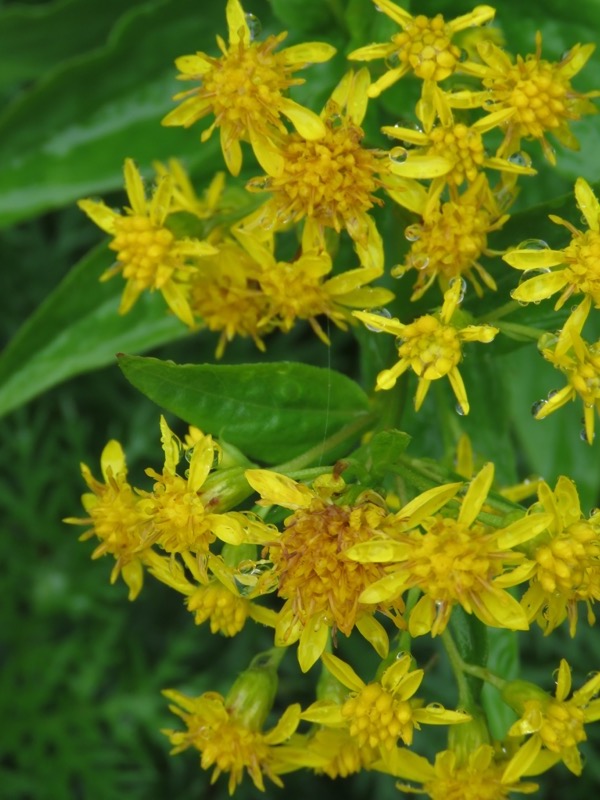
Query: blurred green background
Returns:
{"type": "Point", "coordinates": [84, 84]}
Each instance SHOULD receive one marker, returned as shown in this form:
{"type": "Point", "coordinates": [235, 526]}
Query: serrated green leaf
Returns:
{"type": "Point", "coordinates": [272, 412]}
{"type": "Point", "coordinates": [78, 329]}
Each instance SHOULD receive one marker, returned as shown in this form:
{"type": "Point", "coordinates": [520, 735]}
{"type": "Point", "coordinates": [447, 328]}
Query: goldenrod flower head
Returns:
{"type": "Point", "coordinates": [538, 94]}
{"type": "Point", "coordinates": [567, 561]}
{"type": "Point", "coordinates": [244, 89]}
{"type": "Point", "coordinates": [320, 585]}
{"type": "Point", "coordinates": [431, 346]}
{"type": "Point", "coordinates": [116, 518]}
{"type": "Point", "coordinates": [225, 294]}
{"type": "Point", "coordinates": [462, 146]}
{"type": "Point", "coordinates": [340, 753]}
{"type": "Point", "coordinates": [148, 253]}
{"type": "Point", "coordinates": [553, 723]}
{"type": "Point", "coordinates": [425, 48]}
{"type": "Point", "coordinates": [479, 777]}
{"type": "Point", "coordinates": [227, 742]}
{"type": "Point", "coordinates": [303, 289]}
{"type": "Point", "coordinates": [454, 561]}
{"type": "Point", "coordinates": [580, 364]}
{"type": "Point", "coordinates": [330, 182]}
{"type": "Point", "coordinates": [451, 238]}
{"type": "Point", "coordinates": [184, 197]}
{"type": "Point", "coordinates": [579, 261]}
{"type": "Point", "coordinates": [178, 517]}
{"type": "Point", "coordinates": [379, 714]}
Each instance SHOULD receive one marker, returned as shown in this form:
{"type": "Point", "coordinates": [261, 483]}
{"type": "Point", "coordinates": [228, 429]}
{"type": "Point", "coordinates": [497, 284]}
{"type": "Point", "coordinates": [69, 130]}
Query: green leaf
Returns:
{"type": "Point", "coordinates": [68, 136]}
{"type": "Point", "coordinates": [78, 329]}
{"type": "Point", "coordinates": [471, 639]}
{"type": "Point", "coordinates": [272, 412]}
{"type": "Point", "coordinates": [372, 460]}
{"type": "Point", "coordinates": [302, 15]}
{"type": "Point", "coordinates": [37, 38]}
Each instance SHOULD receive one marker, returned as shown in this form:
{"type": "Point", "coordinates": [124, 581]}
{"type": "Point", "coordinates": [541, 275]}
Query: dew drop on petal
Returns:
{"type": "Point", "coordinates": [398, 155]}
{"type": "Point", "coordinates": [254, 26]}
{"type": "Point", "coordinates": [520, 159]}
{"type": "Point", "coordinates": [533, 273]}
{"type": "Point", "coordinates": [261, 184]}
{"type": "Point", "coordinates": [551, 393]}
{"type": "Point", "coordinates": [189, 454]}
{"type": "Point", "coordinates": [537, 407]}
{"type": "Point", "coordinates": [419, 262]}
{"type": "Point", "coordinates": [463, 287]}
{"type": "Point", "coordinates": [533, 244]}
{"type": "Point", "coordinates": [460, 410]}
{"type": "Point", "coordinates": [413, 232]}
{"type": "Point", "coordinates": [583, 435]}
{"type": "Point", "coordinates": [380, 312]}
{"type": "Point", "coordinates": [393, 60]}
{"type": "Point", "coordinates": [547, 340]}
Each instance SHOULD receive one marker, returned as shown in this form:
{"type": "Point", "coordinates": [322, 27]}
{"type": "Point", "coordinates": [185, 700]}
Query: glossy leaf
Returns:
{"type": "Point", "coordinates": [78, 329]}
{"type": "Point", "coordinates": [272, 412]}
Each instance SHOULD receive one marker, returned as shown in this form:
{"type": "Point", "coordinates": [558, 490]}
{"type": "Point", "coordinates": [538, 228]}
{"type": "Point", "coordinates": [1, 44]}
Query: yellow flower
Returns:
{"type": "Point", "coordinates": [379, 714]}
{"type": "Point", "coordinates": [462, 145]}
{"type": "Point", "coordinates": [431, 346]}
{"type": "Point", "coordinates": [177, 514]}
{"type": "Point", "coordinates": [215, 595]}
{"type": "Point", "coordinates": [229, 743]}
{"type": "Point", "coordinates": [330, 183]}
{"type": "Point", "coordinates": [451, 238]}
{"type": "Point", "coordinates": [301, 289]}
{"type": "Point", "coordinates": [425, 48]}
{"type": "Point", "coordinates": [148, 253]}
{"type": "Point", "coordinates": [319, 584]}
{"type": "Point", "coordinates": [579, 261]}
{"type": "Point", "coordinates": [225, 294]}
{"type": "Point", "coordinates": [455, 561]}
{"type": "Point", "coordinates": [567, 561]}
{"type": "Point", "coordinates": [538, 94]}
{"type": "Point", "coordinates": [554, 724]}
{"type": "Point", "coordinates": [244, 90]}
{"type": "Point", "coordinates": [339, 752]}
{"type": "Point", "coordinates": [478, 777]}
{"type": "Point", "coordinates": [580, 364]}
{"type": "Point", "coordinates": [116, 518]}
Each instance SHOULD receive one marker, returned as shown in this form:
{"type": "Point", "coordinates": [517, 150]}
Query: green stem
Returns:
{"type": "Point", "coordinates": [501, 311]}
{"type": "Point", "coordinates": [348, 432]}
{"type": "Point", "coordinates": [465, 696]}
{"type": "Point", "coordinates": [520, 333]}
{"type": "Point", "coordinates": [461, 668]}
{"type": "Point", "coordinates": [403, 641]}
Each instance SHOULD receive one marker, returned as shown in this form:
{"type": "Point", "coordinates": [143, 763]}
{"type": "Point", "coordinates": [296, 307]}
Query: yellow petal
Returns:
{"type": "Point", "coordinates": [286, 726]}
{"type": "Point", "coordinates": [193, 65]}
{"type": "Point", "coordinates": [113, 459]}
{"type": "Point", "coordinates": [161, 200]}
{"type": "Point", "coordinates": [522, 760]}
{"type": "Point", "coordinates": [541, 287]}
{"type": "Point", "coordinates": [406, 193]}
{"type": "Point", "coordinates": [236, 22]}
{"type": "Point", "coordinates": [343, 672]}
{"type": "Point", "coordinates": [422, 617]}
{"type": "Point", "coordinates": [188, 112]}
{"type": "Point", "coordinates": [227, 528]}
{"type": "Point", "coordinates": [534, 259]}
{"type": "Point", "coordinates": [435, 715]}
{"type": "Point", "coordinates": [388, 588]}
{"type": "Point", "coordinates": [379, 323]}
{"type": "Point", "coordinates": [374, 632]}
{"type": "Point", "coordinates": [501, 610]}
{"type": "Point", "coordinates": [232, 151]}
{"type": "Point", "coordinates": [325, 712]}
{"type": "Point", "coordinates": [588, 203]}
{"type": "Point", "coordinates": [267, 154]}
{"type": "Point", "coordinates": [276, 489]}
{"type": "Point", "coordinates": [307, 123]}
{"type": "Point", "coordinates": [178, 302]}
{"type": "Point", "coordinates": [201, 463]}
{"type": "Point", "coordinates": [426, 504]}
{"type": "Point", "coordinates": [395, 12]}
{"type": "Point", "coordinates": [100, 214]}
{"type": "Point", "coordinates": [371, 52]}
{"type": "Point", "coordinates": [387, 79]}
{"type": "Point", "coordinates": [378, 551]}
{"type": "Point", "coordinates": [133, 575]}
{"type": "Point", "coordinates": [134, 187]}
{"type": "Point", "coordinates": [479, 16]}
{"type": "Point", "coordinates": [476, 494]}
{"type": "Point", "coordinates": [308, 53]}
{"type": "Point", "coordinates": [523, 530]}
{"type": "Point", "coordinates": [425, 166]}
{"type": "Point", "coordinates": [458, 387]}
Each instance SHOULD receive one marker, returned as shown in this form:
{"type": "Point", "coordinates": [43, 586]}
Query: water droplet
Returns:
{"type": "Point", "coordinates": [380, 312]}
{"type": "Point", "coordinates": [400, 655]}
{"type": "Point", "coordinates": [419, 261]}
{"type": "Point", "coordinates": [488, 103]}
{"type": "Point", "coordinates": [533, 273]}
{"type": "Point", "coordinates": [463, 287]}
{"type": "Point", "coordinates": [335, 120]}
{"type": "Point", "coordinates": [520, 159]}
{"type": "Point", "coordinates": [505, 198]}
{"type": "Point", "coordinates": [261, 184]}
{"type": "Point", "coordinates": [460, 410]}
{"type": "Point", "coordinates": [393, 60]}
{"type": "Point", "coordinates": [566, 55]}
{"type": "Point", "coordinates": [399, 342]}
{"type": "Point", "coordinates": [583, 436]}
{"type": "Point", "coordinates": [398, 155]}
{"type": "Point", "coordinates": [398, 271]}
{"type": "Point", "coordinates": [547, 340]}
{"type": "Point", "coordinates": [413, 232]}
{"type": "Point", "coordinates": [464, 55]}
{"type": "Point", "coordinates": [254, 26]}
{"type": "Point", "coordinates": [537, 407]}
{"type": "Point", "coordinates": [189, 453]}
{"type": "Point", "coordinates": [594, 512]}
{"type": "Point", "coordinates": [533, 244]}
{"type": "Point", "coordinates": [552, 392]}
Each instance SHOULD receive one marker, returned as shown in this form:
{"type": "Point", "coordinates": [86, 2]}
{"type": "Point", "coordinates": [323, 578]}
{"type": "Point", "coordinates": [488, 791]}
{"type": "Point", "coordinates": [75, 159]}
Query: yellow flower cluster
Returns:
{"type": "Point", "coordinates": [323, 556]}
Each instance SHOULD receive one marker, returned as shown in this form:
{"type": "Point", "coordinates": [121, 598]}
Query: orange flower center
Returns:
{"type": "Point", "coordinates": [313, 571]}
{"type": "Point", "coordinates": [426, 47]}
